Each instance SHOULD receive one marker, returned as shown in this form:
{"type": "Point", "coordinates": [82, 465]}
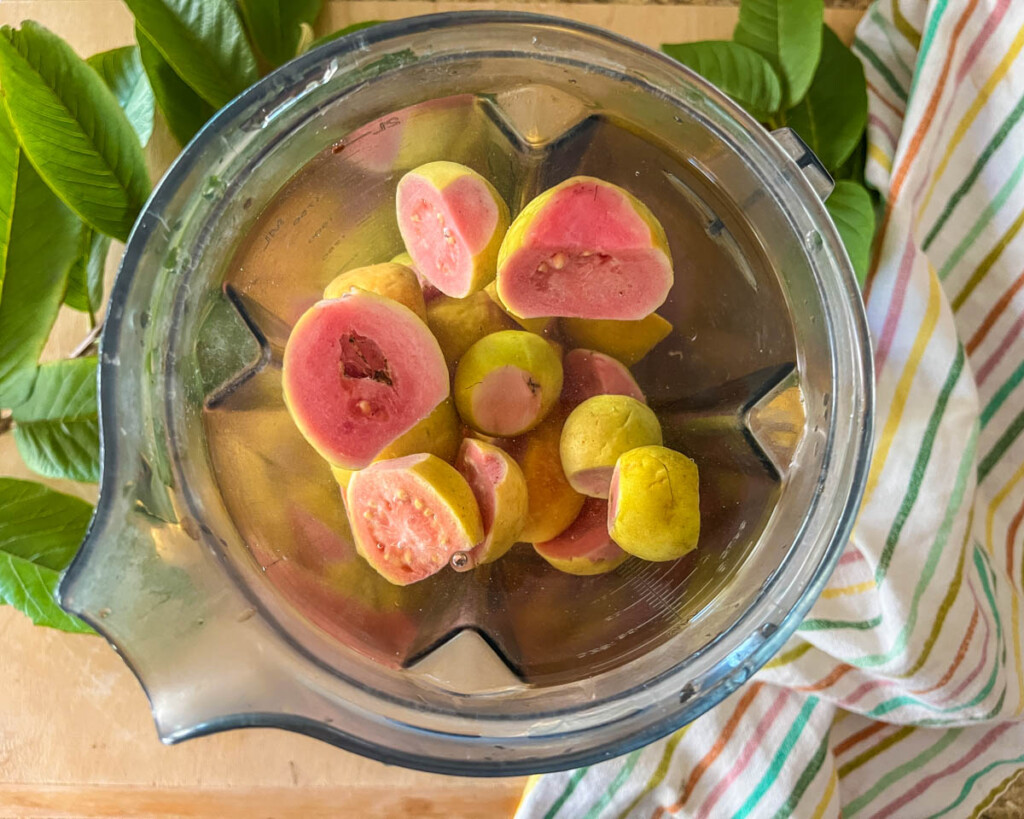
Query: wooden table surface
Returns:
{"type": "Point", "coordinates": [76, 737]}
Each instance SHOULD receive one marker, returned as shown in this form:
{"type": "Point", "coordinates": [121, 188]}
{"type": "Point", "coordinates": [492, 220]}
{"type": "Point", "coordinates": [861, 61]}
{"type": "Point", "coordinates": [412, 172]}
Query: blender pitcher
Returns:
{"type": "Point", "coordinates": [220, 563]}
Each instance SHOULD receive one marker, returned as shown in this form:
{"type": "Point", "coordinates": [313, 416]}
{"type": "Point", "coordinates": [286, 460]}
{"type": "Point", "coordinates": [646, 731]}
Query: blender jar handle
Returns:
{"type": "Point", "coordinates": [820, 179]}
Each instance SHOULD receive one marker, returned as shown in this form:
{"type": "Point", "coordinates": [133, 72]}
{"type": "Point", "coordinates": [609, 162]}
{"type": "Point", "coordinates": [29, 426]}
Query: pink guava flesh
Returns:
{"type": "Point", "coordinates": [613, 499]}
{"type": "Point", "coordinates": [483, 472]}
{"type": "Point", "coordinates": [586, 538]}
{"type": "Point", "coordinates": [593, 482]}
{"type": "Point", "coordinates": [359, 371]}
{"type": "Point", "coordinates": [443, 230]}
{"type": "Point", "coordinates": [589, 373]}
{"type": "Point", "coordinates": [399, 525]}
{"type": "Point", "coordinates": [587, 254]}
{"type": "Point", "coordinates": [507, 401]}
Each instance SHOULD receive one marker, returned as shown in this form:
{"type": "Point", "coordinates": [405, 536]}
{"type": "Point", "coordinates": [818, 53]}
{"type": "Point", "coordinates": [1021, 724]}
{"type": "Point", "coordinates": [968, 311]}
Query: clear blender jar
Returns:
{"type": "Point", "coordinates": [219, 562]}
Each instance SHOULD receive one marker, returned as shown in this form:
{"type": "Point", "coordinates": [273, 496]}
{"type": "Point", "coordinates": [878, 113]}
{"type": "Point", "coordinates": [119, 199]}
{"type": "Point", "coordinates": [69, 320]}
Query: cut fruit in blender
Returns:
{"type": "Point", "coordinates": [597, 432]}
{"type": "Point", "coordinates": [507, 382]}
{"type": "Point", "coordinates": [587, 249]}
{"type": "Point", "coordinates": [440, 434]}
{"type": "Point", "coordinates": [588, 373]}
{"type": "Point", "coordinates": [553, 503]}
{"type": "Point", "coordinates": [500, 490]}
{"type": "Point", "coordinates": [539, 438]}
{"type": "Point", "coordinates": [452, 221]}
{"type": "Point", "coordinates": [627, 341]}
{"type": "Point", "coordinates": [393, 281]}
{"type": "Point", "coordinates": [585, 548]}
{"type": "Point", "coordinates": [458, 324]}
{"type": "Point", "coordinates": [654, 503]}
{"type": "Point", "coordinates": [358, 372]}
{"type": "Point", "coordinates": [411, 515]}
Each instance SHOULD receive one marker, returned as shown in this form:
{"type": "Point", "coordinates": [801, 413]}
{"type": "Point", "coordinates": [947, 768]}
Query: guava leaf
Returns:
{"type": "Point", "coordinates": [70, 125]}
{"type": "Point", "coordinates": [203, 41]}
{"type": "Point", "coordinates": [43, 246]}
{"type": "Point", "coordinates": [85, 281]}
{"type": "Point", "coordinates": [57, 429]}
{"type": "Point", "coordinates": [40, 531]}
{"type": "Point", "coordinates": [853, 213]}
{"type": "Point", "coordinates": [788, 34]}
{"type": "Point", "coordinates": [184, 111]}
{"type": "Point", "coordinates": [122, 71]}
{"type": "Point", "coordinates": [10, 153]}
{"type": "Point", "coordinates": [832, 116]}
{"type": "Point", "coordinates": [276, 25]}
{"type": "Point", "coordinates": [739, 71]}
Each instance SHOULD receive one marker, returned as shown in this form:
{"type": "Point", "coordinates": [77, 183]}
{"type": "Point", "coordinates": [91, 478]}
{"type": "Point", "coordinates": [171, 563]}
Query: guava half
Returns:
{"type": "Point", "coordinates": [458, 324]}
{"type": "Point", "coordinates": [588, 373]}
{"type": "Point", "coordinates": [534, 325]}
{"type": "Point", "coordinates": [410, 515]}
{"type": "Point", "coordinates": [393, 281]}
{"type": "Point", "coordinates": [627, 341]}
{"type": "Point", "coordinates": [585, 548]}
{"type": "Point", "coordinates": [358, 372]}
{"type": "Point", "coordinates": [654, 503]}
{"type": "Point", "coordinates": [597, 432]}
{"type": "Point", "coordinates": [584, 248]}
{"type": "Point", "coordinates": [429, 291]}
{"type": "Point", "coordinates": [500, 490]}
{"type": "Point", "coordinates": [507, 382]}
{"type": "Point", "coordinates": [452, 221]}
{"type": "Point", "coordinates": [553, 503]}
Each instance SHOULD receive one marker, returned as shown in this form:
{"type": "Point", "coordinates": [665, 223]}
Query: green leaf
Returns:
{"type": "Point", "coordinates": [833, 115]}
{"type": "Point", "coordinates": [122, 71]}
{"type": "Point", "coordinates": [788, 34]}
{"type": "Point", "coordinates": [851, 210]}
{"type": "Point", "coordinates": [739, 71]}
{"type": "Point", "coordinates": [40, 531]}
{"type": "Point", "coordinates": [276, 25]}
{"type": "Point", "coordinates": [44, 244]}
{"type": "Point", "coordinates": [204, 42]}
{"type": "Point", "coordinates": [57, 429]}
{"type": "Point", "coordinates": [85, 281]}
{"type": "Point", "coordinates": [342, 32]}
{"type": "Point", "coordinates": [853, 167]}
{"type": "Point", "coordinates": [184, 111]}
{"type": "Point", "coordinates": [10, 154]}
{"type": "Point", "coordinates": [70, 125]}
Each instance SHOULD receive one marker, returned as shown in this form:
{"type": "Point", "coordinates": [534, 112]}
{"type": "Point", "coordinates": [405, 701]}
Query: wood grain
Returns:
{"type": "Point", "coordinates": [76, 736]}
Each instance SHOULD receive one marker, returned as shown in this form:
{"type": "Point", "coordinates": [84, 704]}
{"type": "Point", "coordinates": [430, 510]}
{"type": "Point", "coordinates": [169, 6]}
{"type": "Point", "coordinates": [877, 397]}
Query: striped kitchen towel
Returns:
{"type": "Point", "coordinates": [902, 694]}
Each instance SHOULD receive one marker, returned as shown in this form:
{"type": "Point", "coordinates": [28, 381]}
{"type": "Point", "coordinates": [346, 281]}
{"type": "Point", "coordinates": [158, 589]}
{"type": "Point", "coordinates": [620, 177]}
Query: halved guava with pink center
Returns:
{"type": "Point", "coordinates": [358, 372]}
{"type": "Point", "coordinates": [458, 324]}
{"type": "Point", "coordinates": [587, 249]}
{"type": "Point", "coordinates": [597, 432]}
{"type": "Point", "coordinates": [507, 382]}
{"type": "Point", "coordinates": [588, 373]}
{"type": "Point", "coordinates": [553, 503]}
{"type": "Point", "coordinates": [452, 221]}
{"type": "Point", "coordinates": [500, 490]}
{"type": "Point", "coordinates": [626, 341]}
{"type": "Point", "coordinates": [585, 547]}
{"type": "Point", "coordinates": [410, 515]}
{"type": "Point", "coordinates": [394, 281]}
{"type": "Point", "coordinates": [654, 503]}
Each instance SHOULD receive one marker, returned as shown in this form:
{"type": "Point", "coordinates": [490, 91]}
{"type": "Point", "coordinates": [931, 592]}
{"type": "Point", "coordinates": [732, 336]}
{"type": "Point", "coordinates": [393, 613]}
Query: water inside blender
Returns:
{"type": "Point", "coordinates": [724, 384]}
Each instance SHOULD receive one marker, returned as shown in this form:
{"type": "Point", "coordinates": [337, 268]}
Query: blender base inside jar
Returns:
{"type": "Point", "coordinates": [724, 385]}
